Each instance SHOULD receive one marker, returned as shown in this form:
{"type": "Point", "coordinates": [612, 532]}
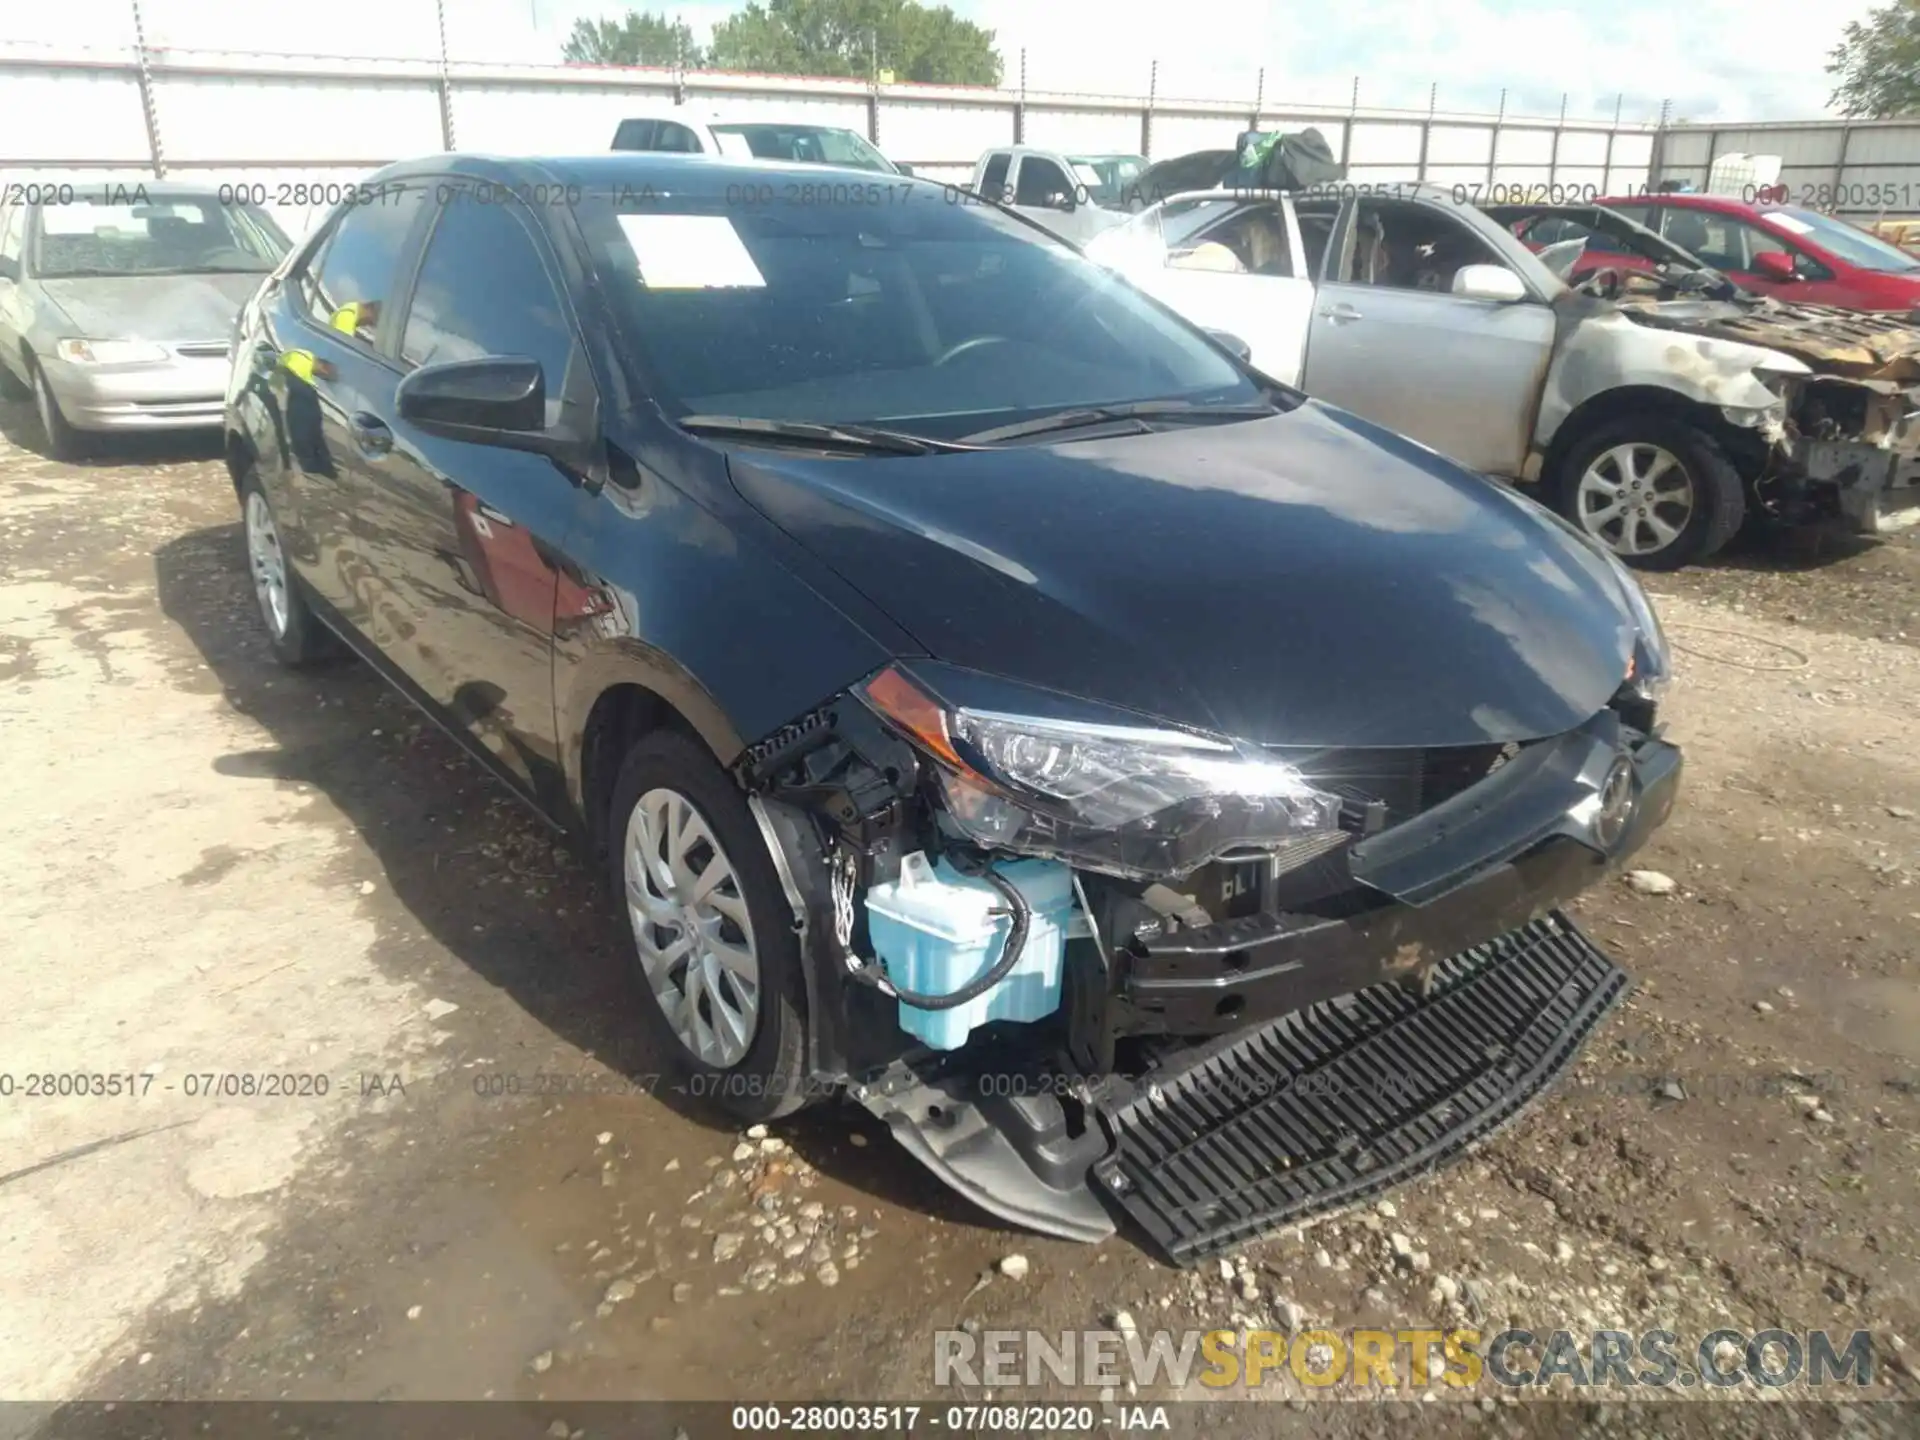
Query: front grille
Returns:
{"type": "Point", "coordinates": [202, 349]}
{"type": "Point", "coordinates": [1407, 780]}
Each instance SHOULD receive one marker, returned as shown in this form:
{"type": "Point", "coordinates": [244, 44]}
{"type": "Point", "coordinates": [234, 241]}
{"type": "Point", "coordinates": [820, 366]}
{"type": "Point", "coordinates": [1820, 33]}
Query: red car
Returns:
{"type": "Point", "coordinates": [1771, 249]}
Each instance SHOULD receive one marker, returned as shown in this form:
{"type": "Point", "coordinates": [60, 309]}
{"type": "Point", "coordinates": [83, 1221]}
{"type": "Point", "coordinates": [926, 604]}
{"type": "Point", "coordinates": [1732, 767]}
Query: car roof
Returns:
{"type": "Point", "coordinates": [693, 175]}
{"type": "Point", "coordinates": [1724, 203]}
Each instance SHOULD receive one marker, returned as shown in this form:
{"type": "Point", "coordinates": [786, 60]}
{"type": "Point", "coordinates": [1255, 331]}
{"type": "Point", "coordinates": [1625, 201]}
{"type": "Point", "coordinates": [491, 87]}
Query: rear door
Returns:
{"type": "Point", "coordinates": [475, 531]}
{"type": "Point", "coordinates": [1391, 342]}
{"type": "Point", "coordinates": [1224, 264]}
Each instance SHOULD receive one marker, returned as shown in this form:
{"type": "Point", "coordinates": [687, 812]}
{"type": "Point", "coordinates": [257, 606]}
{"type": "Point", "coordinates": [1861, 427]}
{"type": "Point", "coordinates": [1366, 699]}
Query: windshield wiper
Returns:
{"type": "Point", "coordinates": [1133, 410]}
{"type": "Point", "coordinates": [847, 437]}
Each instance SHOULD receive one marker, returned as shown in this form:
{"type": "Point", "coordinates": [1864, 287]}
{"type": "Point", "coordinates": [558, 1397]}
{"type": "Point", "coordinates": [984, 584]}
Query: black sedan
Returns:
{"type": "Point", "coordinates": [989, 698]}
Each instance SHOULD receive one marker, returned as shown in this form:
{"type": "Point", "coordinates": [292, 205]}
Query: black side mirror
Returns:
{"type": "Point", "coordinates": [499, 400]}
{"type": "Point", "coordinates": [1229, 340]}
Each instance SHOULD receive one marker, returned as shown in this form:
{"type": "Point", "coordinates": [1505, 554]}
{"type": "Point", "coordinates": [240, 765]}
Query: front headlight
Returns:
{"type": "Point", "coordinates": [1141, 801]}
{"type": "Point", "coordinates": [110, 352]}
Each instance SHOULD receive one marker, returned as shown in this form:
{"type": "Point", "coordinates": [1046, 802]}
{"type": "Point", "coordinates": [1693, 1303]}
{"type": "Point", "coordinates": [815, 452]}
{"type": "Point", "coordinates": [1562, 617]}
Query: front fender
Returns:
{"type": "Point", "coordinates": [1609, 351]}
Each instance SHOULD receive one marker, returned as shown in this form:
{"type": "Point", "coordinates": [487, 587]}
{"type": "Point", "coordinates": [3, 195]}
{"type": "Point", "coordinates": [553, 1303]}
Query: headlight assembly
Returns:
{"type": "Point", "coordinates": [1139, 801]}
{"type": "Point", "coordinates": [110, 352]}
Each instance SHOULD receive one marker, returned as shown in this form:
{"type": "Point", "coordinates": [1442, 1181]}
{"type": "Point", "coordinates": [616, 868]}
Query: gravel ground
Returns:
{"type": "Point", "coordinates": [214, 867]}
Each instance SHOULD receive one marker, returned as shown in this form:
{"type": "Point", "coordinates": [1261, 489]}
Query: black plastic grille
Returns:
{"type": "Point", "coordinates": [1344, 1099]}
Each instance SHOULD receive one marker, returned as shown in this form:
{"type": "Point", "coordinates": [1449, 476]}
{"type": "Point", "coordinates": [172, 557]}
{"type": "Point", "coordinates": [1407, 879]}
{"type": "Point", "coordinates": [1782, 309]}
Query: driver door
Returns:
{"type": "Point", "coordinates": [1224, 264]}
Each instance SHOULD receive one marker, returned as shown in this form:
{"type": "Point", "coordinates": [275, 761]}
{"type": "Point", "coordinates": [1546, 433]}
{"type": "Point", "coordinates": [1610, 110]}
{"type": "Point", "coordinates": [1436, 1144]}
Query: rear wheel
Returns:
{"type": "Point", "coordinates": [1656, 491]}
{"type": "Point", "coordinates": [711, 929]}
{"type": "Point", "coordinates": [298, 637]}
{"type": "Point", "coordinates": [63, 442]}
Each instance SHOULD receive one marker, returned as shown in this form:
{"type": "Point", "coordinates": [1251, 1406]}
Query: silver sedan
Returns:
{"type": "Point", "coordinates": [118, 299]}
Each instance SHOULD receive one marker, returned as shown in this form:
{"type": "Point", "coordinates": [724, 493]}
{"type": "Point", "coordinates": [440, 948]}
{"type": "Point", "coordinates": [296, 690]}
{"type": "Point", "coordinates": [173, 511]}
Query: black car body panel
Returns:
{"type": "Point", "coordinates": [1378, 619]}
{"type": "Point", "coordinates": [1217, 577]}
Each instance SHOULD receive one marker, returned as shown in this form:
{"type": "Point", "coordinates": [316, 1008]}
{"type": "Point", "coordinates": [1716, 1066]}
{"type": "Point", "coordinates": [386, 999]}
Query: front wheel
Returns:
{"type": "Point", "coordinates": [711, 929]}
{"type": "Point", "coordinates": [1658, 492]}
{"type": "Point", "coordinates": [62, 440]}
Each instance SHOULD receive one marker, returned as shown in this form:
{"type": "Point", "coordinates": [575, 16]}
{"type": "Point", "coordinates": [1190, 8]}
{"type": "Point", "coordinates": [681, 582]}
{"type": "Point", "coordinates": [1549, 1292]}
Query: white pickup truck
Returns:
{"type": "Point", "coordinates": [1419, 312]}
{"type": "Point", "coordinates": [1075, 196]}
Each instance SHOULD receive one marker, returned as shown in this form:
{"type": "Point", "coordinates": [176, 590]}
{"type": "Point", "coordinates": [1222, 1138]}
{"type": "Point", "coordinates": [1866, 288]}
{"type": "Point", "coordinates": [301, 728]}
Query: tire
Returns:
{"type": "Point", "coordinates": [1700, 498]}
{"type": "Point", "coordinates": [299, 638]}
{"type": "Point", "coordinates": [754, 1070]}
{"type": "Point", "coordinates": [63, 442]}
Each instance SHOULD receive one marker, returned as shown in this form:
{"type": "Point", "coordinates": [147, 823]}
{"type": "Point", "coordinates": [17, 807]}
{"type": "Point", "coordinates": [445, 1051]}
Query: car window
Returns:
{"type": "Point", "coordinates": [1722, 241]}
{"type": "Point", "coordinates": [1639, 214]}
{"type": "Point", "coordinates": [993, 184]}
{"type": "Point", "coordinates": [634, 135]}
{"type": "Point", "coordinates": [350, 287]}
{"type": "Point", "coordinates": [940, 319]}
{"type": "Point", "coordinates": [159, 234]}
{"type": "Point", "coordinates": [1849, 242]}
{"type": "Point", "coordinates": [808, 145]}
{"type": "Point", "coordinates": [1398, 245]}
{"type": "Point", "coordinates": [676, 139]}
{"type": "Point", "coordinates": [1041, 182]}
{"type": "Point", "coordinates": [485, 290]}
{"type": "Point", "coordinates": [1254, 239]}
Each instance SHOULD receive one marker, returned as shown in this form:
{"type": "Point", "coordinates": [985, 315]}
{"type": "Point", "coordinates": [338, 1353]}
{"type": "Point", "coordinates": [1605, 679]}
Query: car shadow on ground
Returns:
{"type": "Point", "coordinates": [21, 427]}
{"type": "Point", "coordinates": [477, 871]}
{"type": "Point", "coordinates": [1779, 549]}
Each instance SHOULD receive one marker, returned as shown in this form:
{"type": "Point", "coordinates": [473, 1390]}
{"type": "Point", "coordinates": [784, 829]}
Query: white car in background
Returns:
{"type": "Point", "coordinates": [689, 130]}
{"type": "Point", "coordinates": [1075, 196]}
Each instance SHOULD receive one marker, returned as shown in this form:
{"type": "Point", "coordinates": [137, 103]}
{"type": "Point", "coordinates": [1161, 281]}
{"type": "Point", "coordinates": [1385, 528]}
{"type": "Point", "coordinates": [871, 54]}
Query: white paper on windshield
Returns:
{"type": "Point", "coordinates": [1790, 222]}
{"type": "Point", "coordinates": [734, 145]}
{"type": "Point", "coordinates": [1088, 175]}
{"type": "Point", "coordinates": [690, 252]}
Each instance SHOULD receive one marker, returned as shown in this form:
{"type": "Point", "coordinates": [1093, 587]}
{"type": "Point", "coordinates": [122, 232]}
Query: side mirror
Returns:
{"type": "Point", "coordinates": [1775, 265]}
{"type": "Point", "coordinates": [1230, 341]}
{"type": "Point", "coordinates": [1488, 282]}
{"type": "Point", "coordinates": [500, 400]}
{"type": "Point", "coordinates": [903, 168]}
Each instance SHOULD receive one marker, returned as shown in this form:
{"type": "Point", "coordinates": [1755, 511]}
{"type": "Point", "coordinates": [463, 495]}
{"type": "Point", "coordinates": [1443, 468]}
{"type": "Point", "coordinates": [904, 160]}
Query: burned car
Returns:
{"type": "Point", "coordinates": [1655, 409]}
{"type": "Point", "coordinates": [1149, 790]}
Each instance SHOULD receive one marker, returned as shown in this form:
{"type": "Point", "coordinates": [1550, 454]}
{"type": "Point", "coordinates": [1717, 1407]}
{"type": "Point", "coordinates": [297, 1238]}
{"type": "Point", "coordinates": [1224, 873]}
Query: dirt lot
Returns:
{"type": "Point", "coordinates": [212, 868]}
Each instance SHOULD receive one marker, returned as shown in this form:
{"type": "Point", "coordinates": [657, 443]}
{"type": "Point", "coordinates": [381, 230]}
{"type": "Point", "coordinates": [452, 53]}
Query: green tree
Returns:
{"type": "Point", "coordinates": [637, 38]}
{"type": "Point", "coordinates": [1878, 63]}
{"type": "Point", "coordinates": [931, 45]}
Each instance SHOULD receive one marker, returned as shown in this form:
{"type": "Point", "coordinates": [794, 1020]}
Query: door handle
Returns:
{"type": "Point", "coordinates": [1340, 313]}
{"type": "Point", "coordinates": [370, 433]}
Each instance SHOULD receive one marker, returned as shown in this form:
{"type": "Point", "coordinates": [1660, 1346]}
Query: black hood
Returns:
{"type": "Point", "coordinates": [1308, 579]}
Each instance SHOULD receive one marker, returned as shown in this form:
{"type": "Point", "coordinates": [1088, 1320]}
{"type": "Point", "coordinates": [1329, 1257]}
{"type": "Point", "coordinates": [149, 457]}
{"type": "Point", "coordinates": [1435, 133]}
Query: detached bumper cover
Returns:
{"type": "Point", "coordinates": [1331, 1105]}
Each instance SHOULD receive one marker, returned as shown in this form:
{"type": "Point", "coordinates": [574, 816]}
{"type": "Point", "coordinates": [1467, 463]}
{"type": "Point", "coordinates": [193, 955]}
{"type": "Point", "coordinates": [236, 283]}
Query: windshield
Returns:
{"type": "Point", "coordinates": [1107, 176]}
{"type": "Point", "coordinates": [938, 320]}
{"type": "Point", "coordinates": [167, 235]}
{"type": "Point", "coordinates": [1856, 247]}
{"type": "Point", "coordinates": [809, 145]}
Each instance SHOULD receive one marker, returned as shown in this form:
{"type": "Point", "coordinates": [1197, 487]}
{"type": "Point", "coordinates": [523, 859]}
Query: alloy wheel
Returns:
{"type": "Point", "coordinates": [1636, 499]}
{"type": "Point", "coordinates": [692, 928]}
{"type": "Point", "coordinates": [268, 564]}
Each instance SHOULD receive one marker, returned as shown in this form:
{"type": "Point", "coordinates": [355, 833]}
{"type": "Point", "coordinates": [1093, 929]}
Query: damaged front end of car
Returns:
{"type": "Point", "coordinates": [1085, 964]}
{"type": "Point", "coordinates": [1844, 441]}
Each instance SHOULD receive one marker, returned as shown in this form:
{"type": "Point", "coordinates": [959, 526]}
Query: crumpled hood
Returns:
{"type": "Point", "coordinates": [1308, 579]}
{"type": "Point", "coordinates": [1850, 344]}
{"type": "Point", "coordinates": [170, 308]}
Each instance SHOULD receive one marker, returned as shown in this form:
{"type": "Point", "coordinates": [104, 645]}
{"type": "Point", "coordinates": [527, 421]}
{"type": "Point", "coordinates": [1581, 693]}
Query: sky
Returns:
{"type": "Point", "coordinates": [1713, 59]}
